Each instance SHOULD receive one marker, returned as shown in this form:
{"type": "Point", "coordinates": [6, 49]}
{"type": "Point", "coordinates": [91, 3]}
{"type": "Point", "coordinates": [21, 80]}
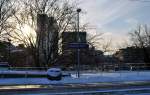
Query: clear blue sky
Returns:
{"type": "Point", "coordinates": [115, 17]}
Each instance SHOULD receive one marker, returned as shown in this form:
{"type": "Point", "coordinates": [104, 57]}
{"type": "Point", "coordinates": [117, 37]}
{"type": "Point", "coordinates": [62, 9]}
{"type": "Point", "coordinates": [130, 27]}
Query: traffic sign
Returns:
{"type": "Point", "coordinates": [78, 45]}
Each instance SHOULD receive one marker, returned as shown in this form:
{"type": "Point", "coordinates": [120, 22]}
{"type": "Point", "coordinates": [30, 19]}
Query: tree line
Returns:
{"type": "Point", "coordinates": [18, 15]}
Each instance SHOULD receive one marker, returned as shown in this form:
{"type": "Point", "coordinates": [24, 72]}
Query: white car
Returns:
{"type": "Point", "coordinates": [54, 74]}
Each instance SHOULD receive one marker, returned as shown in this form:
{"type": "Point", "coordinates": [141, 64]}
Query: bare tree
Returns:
{"type": "Point", "coordinates": [94, 40]}
{"type": "Point", "coordinates": [26, 17]}
{"type": "Point", "coordinates": [64, 13]}
{"type": "Point", "coordinates": [7, 10]}
{"type": "Point", "coordinates": [100, 42]}
{"type": "Point", "coordinates": [141, 38]}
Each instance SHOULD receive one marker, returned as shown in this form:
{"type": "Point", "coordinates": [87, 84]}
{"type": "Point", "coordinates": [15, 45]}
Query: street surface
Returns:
{"type": "Point", "coordinates": [128, 88]}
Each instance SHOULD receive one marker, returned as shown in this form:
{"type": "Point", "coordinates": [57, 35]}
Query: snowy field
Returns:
{"type": "Point", "coordinates": [121, 76]}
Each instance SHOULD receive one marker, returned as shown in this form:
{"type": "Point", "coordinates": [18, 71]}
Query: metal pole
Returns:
{"type": "Point", "coordinates": [78, 40]}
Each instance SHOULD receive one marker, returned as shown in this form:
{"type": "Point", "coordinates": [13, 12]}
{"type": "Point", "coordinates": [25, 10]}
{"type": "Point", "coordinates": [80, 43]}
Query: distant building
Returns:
{"type": "Point", "coordinates": [15, 56]}
{"type": "Point", "coordinates": [133, 58]}
{"type": "Point", "coordinates": [21, 58]}
{"type": "Point", "coordinates": [47, 38]}
{"type": "Point", "coordinates": [5, 50]}
{"type": "Point", "coordinates": [69, 55]}
{"type": "Point", "coordinates": [89, 57]}
{"type": "Point", "coordinates": [72, 37]}
{"type": "Point", "coordinates": [130, 55]}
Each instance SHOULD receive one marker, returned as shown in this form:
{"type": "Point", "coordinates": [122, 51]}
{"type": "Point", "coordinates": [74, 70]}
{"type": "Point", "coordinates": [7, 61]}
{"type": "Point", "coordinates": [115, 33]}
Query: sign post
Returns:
{"type": "Point", "coordinates": [78, 44]}
{"type": "Point", "coordinates": [78, 50]}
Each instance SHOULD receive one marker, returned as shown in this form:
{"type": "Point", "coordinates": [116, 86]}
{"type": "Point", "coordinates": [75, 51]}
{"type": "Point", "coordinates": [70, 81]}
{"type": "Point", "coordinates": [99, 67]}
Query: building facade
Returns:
{"type": "Point", "coordinates": [47, 39]}
{"type": "Point", "coordinates": [130, 55]}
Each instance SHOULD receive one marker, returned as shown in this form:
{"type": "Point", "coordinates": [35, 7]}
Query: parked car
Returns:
{"type": "Point", "coordinates": [54, 74]}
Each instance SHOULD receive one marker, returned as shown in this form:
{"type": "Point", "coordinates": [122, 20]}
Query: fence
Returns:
{"type": "Point", "coordinates": [41, 71]}
{"type": "Point", "coordinates": [29, 68]}
{"type": "Point", "coordinates": [95, 68]}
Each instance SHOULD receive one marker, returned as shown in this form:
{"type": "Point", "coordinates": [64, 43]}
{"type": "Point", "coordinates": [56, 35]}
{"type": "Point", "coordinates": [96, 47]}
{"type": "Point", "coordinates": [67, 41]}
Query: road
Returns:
{"type": "Point", "coordinates": [128, 88]}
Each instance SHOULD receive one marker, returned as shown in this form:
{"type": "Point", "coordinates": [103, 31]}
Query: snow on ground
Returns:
{"type": "Point", "coordinates": [122, 76]}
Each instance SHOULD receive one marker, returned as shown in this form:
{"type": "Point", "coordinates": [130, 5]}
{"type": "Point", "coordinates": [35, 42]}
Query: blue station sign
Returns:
{"type": "Point", "coordinates": [78, 45]}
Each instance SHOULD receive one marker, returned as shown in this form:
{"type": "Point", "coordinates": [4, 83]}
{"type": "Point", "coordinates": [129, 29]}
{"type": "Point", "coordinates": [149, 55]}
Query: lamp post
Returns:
{"type": "Point", "coordinates": [78, 40]}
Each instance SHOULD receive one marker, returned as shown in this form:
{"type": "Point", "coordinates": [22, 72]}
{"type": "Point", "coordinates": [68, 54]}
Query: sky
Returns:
{"type": "Point", "coordinates": [114, 18]}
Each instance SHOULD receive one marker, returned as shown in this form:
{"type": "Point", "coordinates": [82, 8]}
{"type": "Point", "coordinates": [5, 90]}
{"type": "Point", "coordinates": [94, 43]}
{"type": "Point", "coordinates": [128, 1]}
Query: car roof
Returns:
{"type": "Point", "coordinates": [55, 69]}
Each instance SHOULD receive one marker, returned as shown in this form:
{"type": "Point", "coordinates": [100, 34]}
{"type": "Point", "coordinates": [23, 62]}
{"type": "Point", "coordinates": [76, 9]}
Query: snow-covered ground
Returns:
{"type": "Point", "coordinates": [123, 76]}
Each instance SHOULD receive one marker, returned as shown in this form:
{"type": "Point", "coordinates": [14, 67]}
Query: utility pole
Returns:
{"type": "Point", "coordinates": [78, 40]}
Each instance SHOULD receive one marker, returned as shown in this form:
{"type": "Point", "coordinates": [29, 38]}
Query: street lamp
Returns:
{"type": "Point", "coordinates": [78, 40]}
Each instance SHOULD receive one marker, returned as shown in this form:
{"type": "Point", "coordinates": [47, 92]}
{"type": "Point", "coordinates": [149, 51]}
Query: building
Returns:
{"type": "Point", "coordinates": [130, 55]}
{"type": "Point", "coordinates": [15, 56]}
{"type": "Point", "coordinates": [133, 57]}
{"type": "Point", "coordinates": [72, 37]}
{"type": "Point", "coordinates": [47, 39]}
{"type": "Point", "coordinates": [5, 50]}
{"type": "Point", "coordinates": [89, 57]}
{"type": "Point", "coordinates": [69, 55]}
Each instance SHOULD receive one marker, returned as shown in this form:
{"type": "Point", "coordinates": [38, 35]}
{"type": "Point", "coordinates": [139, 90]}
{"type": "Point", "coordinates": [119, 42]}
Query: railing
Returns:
{"type": "Point", "coordinates": [41, 71]}
{"type": "Point", "coordinates": [95, 68]}
{"type": "Point", "coordinates": [29, 68]}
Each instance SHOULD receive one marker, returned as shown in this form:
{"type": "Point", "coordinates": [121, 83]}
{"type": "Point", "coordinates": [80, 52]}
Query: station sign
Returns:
{"type": "Point", "coordinates": [78, 45]}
